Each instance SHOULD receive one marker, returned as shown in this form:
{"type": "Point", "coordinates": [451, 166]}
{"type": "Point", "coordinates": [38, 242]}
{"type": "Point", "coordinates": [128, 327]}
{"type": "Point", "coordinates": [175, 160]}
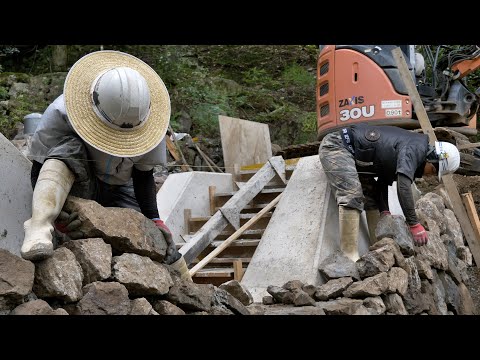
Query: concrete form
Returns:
{"type": "Point", "coordinates": [15, 195]}
{"type": "Point", "coordinates": [302, 232]}
{"type": "Point", "coordinates": [188, 190]}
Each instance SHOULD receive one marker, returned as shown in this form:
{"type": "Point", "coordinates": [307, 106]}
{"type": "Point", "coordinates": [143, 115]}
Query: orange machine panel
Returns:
{"type": "Point", "coordinates": [355, 89]}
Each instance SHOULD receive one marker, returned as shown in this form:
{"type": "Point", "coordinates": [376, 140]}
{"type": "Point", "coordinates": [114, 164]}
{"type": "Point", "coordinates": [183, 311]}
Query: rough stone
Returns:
{"type": "Point", "coordinates": [16, 276]}
{"type": "Point", "coordinates": [104, 298]}
{"type": "Point", "coordinates": [428, 212]}
{"type": "Point", "coordinates": [343, 306]}
{"type": "Point", "coordinates": [281, 309]}
{"type": "Point", "coordinates": [374, 305]}
{"type": "Point", "coordinates": [280, 295]}
{"type": "Point", "coordinates": [293, 284]}
{"type": "Point", "coordinates": [394, 304]}
{"type": "Point", "coordinates": [37, 307]}
{"type": "Point", "coordinates": [126, 230]}
{"type": "Point", "coordinates": [190, 296]}
{"type": "Point", "coordinates": [238, 291]}
{"type": "Point", "coordinates": [59, 276]}
{"type": "Point", "coordinates": [332, 289]}
{"type": "Point", "coordinates": [94, 256]}
{"type": "Point", "coordinates": [446, 199]}
{"type": "Point", "coordinates": [220, 310]}
{"type": "Point", "coordinates": [439, 294]}
{"type": "Point", "coordinates": [435, 251]}
{"type": "Point", "coordinates": [437, 200]}
{"type": "Point", "coordinates": [268, 300]}
{"type": "Point", "coordinates": [453, 228]}
{"type": "Point", "coordinates": [337, 266]}
{"type": "Point", "coordinates": [397, 281]}
{"type": "Point", "coordinates": [394, 248]}
{"type": "Point", "coordinates": [423, 267]}
{"type": "Point", "coordinates": [259, 309]}
{"type": "Point", "coordinates": [301, 298]}
{"type": "Point", "coordinates": [310, 290]}
{"type": "Point", "coordinates": [394, 227]}
{"type": "Point", "coordinates": [223, 298]}
{"type": "Point", "coordinates": [464, 254]}
{"type": "Point", "coordinates": [141, 306]}
{"type": "Point", "coordinates": [466, 305]}
{"type": "Point", "coordinates": [375, 262]}
{"type": "Point", "coordinates": [371, 286]}
{"type": "Point", "coordinates": [164, 307]}
{"type": "Point", "coordinates": [141, 275]}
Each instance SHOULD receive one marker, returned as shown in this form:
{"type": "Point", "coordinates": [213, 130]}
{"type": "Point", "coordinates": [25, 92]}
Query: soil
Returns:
{"type": "Point", "coordinates": [464, 184]}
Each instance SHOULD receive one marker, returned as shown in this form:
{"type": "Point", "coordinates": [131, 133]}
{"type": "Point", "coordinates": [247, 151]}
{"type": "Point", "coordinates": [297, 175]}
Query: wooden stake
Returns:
{"type": "Point", "coordinates": [237, 270]}
{"type": "Point", "coordinates": [206, 158]}
{"type": "Point", "coordinates": [185, 167]}
{"type": "Point", "coordinates": [211, 196]}
{"type": "Point", "coordinates": [234, 236]}
{"type": "Point", "coordinates": [472, 213]}
{"type": "Point", "coordinates": [447, 180]}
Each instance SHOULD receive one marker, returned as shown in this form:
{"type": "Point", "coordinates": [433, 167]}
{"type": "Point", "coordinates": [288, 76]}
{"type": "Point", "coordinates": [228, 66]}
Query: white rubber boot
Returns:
{"type": "Point", "coordinates": [349, 221]}
{"type": "Point", "coordinates": [181, 266]}
{"type": "Point", "coordinates": [51, 190]}
{"type": "Point", "coordinates": [372, 220]}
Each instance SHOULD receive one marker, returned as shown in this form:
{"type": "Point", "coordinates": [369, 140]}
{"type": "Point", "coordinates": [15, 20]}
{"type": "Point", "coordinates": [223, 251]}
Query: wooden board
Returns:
{"type": "Point", "coordinates": [244, 142]}
{"type": "Point", "coordinates": [472, 213]}
{"type": "Point", "coordinates": [449, 183]}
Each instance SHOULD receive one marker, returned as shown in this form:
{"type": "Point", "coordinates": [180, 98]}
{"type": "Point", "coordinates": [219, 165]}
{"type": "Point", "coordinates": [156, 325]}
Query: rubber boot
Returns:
{"type": "Point", "coordinates": [51, 190]}
{"type": "Point", "coordinates": [372, 220]}
{"type": "Point", "coordinates": [181, 266]}
{"type": "Point", "coordinates": [349, 221]}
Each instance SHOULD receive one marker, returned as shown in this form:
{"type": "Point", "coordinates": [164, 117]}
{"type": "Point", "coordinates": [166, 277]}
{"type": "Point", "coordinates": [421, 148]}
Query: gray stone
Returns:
{"type": "Point", "coordinates": [223, 298]}
{"type": "Point", "coordinates": [333, 288]}
{"type": "Point", "coordinates": [393, 248]}
{"type": "Point", "coordinates": [423, 267]}
{"type": "Point", "coordinates": [375, 262]}
{"type": "Point", "coordinates": [293, 284]}
{"type": "Point", "coordinates": [435, 251]}
{"type": "Point", "coordinates": [452, 228]}
{"type": "Point", "coordinates": [301, 298]}
{"type": "Point", "coordinates": [141, 306]}
{"type": "Point", "coordinates": [126, 230]}
{"type": "Point", "coordinates": [397, 281]}
{"type": "Point", "coordinates": [268, 300]}
{"type": "Point", "coordinates": [190, 296]}
{"type": "Point", "coordinates": [446, 199]}
{"type": "Point", "coordinates": [337, 266]}
{"type": "Point", "coordinates": [466, 305]}
{"type": "Point", "coordinates": [37, 307]}
{"type": "Point", "coordinates": [259, 309]}
{"type": "Point", "coordinates": [59, 276]}
{"type": "Point", "coordinates": [281, 309]}
{"type": "Point", "coordinates": [141, 275]}
{"type": "Point", "coordinates": [164, 307]}
{"type": "Point", "coordinates": [464, 254]}
{"type": "Point", "coordinates": [428, 212]}
{"type": "Point", "coordinates": [439, 294]}
{"type": "Point", "coordinates": [18, 88]}
{"type": "Point", "coordinates": [16, 276]}
{"type": "Point", "coordinates": [310, 290]}
{"type": "Point", "coordinates": [343, 306]}
{"type": "Point", "coordinates": [413, 299]}
{"type": "Point", "coordinates": [371, 286]}
{"type": "Point", "coordinates": [394, 227]}
{"type": "Point", "coordinates": [374, 305]}
{"type": "Point", "coordinates": [94, 256]}
{"type": "Point", "coordinates": [437, 200]}
{"type": "Point", "coordinates": [280, 295]}
{"type": "Point", "coordinates": [238, 291]}
{"type": "Point", "coordinates": [104, 298]}
{"type": "Point", "coordinates": [394, 304]}
{"type": "Point", "coordinates": [220, 310]}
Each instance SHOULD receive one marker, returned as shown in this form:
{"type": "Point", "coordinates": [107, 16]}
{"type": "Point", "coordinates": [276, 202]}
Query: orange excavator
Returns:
{"type": "Point", "coordinates": [361, 83]}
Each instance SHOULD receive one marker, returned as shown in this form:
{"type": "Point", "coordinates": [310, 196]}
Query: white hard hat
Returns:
{"type": "Point", "coordinates": [448, 158]}
{"type": "Point", "coordinates": [121, 97]}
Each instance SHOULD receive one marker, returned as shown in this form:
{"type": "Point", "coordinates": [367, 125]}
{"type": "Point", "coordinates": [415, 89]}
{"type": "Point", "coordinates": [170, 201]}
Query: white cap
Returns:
{"type": "Point", "coordinates": [448, 158]}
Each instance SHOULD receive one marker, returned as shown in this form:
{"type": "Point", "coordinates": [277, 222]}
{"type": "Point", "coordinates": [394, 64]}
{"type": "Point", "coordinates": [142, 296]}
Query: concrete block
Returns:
{"type": "Point", "coordinates": [15, 194]}
{"type": "Point", "coordinates": [302, 232]}
{"type": "Point", "coordinates": [188, 190]}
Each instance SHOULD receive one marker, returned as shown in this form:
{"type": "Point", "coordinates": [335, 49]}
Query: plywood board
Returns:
{"type": "Point", "coordinates": [244, 142]}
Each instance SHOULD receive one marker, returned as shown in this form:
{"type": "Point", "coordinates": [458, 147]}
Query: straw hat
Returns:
{"type": "Point", "coordinates": [95, 131]}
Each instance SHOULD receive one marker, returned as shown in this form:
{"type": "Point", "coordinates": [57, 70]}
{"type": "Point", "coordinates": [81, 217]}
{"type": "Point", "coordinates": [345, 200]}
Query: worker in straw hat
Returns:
{"type": "Point", "coordinates": [99, 140]}
{"type": "Point", "coordinates": [361, 161]}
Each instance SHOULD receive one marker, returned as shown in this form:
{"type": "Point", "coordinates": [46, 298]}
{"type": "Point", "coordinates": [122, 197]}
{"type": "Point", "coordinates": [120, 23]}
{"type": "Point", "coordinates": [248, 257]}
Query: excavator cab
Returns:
{"type": "Point", "coordinates": [361, 83]}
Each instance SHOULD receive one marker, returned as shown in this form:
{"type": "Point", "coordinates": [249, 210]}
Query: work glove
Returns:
{"type": "Point", "coordinates": [172, 253]}
{"type": "Point", "coordinates": [419, 234]}
{"type": "Point", "coordinates": [69, 225]}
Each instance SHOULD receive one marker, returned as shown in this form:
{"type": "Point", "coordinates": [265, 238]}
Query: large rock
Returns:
{"type": "Point", "coordinates": [440, 190]}
{"type": "Point", "coordinates": [280, 295]}
{"type": "Point", "coordinates": [293, 284]}
{"type": "Point", "coordinates": [238, 291]}
{"type": "Point", "coordinates": [464, 254]}
{"type": "Point", "coordinates": [337, 266]}
{"type": "Point", "coordinates": [301, 298]}
{"type": "Point", "coordinates": [343, 306]}
{"type": "Point", "coordinates": [126, 230]}
{"type": "Point", "coordinates": [37, 307]}
{"type": "Point", "coordinates": [394, 227]}
{"type": "Point", "coordinates": [141, 306]}
{"type": "Point", "coordinates": [164, 307]}
{"type": "Point", "coordinates": [332, 289]}
{"type": "Point", "coordinates": [104, 298]}
{"type": "Point", "coordinates": [374, 305]}
{"type": "Point", "coordinates": [397, 281]}
{"type": "Point", "coordinates": [435, 251]}
{"type": "Point", "coordinates": [439, 294]}
{"type": "Point", "coordinates": [371, 286]}
{"type": "Point", "coordinates": [393, 247]}
{"type": "Point", "coordinates": [59, 276]}
{"type": "Point", "coordinates": [16, 276]}
{"type": "Point", "coordinates": [190, 296]}
{"type": "Point", "coordinates": [375, 261]}
{"type": "Point", "coordinates": [94, 256]}
{"type": "Point", "coordinates": [428, 212]}
{"type": "Point", "coordinates": [394, 304]}
{"type": "Point", "coordinates": [140, 275]}
{"type": "Point", "coordinates": [222, 298]}
{"type": "Point", "coordinates": [289, 310]}
{"type": "Point", "coordinates": [423, 267]}
{"type": "Point", "coordinates": [452, 228]}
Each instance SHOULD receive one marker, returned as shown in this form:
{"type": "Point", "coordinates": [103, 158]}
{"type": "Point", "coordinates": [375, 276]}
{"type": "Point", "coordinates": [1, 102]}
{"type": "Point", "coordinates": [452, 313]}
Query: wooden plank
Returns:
{"type": "Point", "coordinates": [207, 159]}
{"type": "Point", "coordinates": [185, 166]}
{"type": "Point", "coordinates": [243, 142]}
{"type": "Point", "coordinates": [472, 213]}
{"type": "Point", "coordinates": [211, 196]}
{"type": "Point", "coordinates": [449, 183]}
{"type": "Point", "coordinates": [215, 272]}
{"type": "Point", "coordinates": [237, 270]}
{"type": "Point", "coordinates": [226, 260]}
{"type": "Point", "coordinates": [235, 236]}
{"type": "Point", "coordinates": [213, 227]}
{"type": "Point", "coordinates": [187, 215]}
{"type": "Point", "coordinates": [240, 243]}
{"type": "Point", "coordinates": [468, 146]}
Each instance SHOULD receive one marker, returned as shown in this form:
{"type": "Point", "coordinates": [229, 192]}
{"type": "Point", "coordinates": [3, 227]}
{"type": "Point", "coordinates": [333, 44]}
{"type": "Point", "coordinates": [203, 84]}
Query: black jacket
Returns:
{"type": "Point", "coordinates": [386, 151]}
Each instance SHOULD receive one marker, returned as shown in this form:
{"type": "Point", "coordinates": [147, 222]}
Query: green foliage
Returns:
{"type": "Point", "coordinates": [3, 93]}
{"type": "Point", "coordinates": [297, 75]}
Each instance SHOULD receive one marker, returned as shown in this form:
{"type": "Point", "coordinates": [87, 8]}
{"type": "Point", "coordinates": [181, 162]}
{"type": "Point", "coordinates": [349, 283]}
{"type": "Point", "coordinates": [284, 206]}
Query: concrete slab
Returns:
{"type": "Point", "coordinates": [188, 190]}
{"type": "Point", "coordinates": [15, 194]}
{"type": "Point", "coordinates": [302, 232]}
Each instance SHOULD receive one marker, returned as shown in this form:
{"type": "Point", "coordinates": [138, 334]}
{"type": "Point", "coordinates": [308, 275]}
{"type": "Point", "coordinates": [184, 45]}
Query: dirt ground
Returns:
{"type": "Point", "coordinates": [465, 184]}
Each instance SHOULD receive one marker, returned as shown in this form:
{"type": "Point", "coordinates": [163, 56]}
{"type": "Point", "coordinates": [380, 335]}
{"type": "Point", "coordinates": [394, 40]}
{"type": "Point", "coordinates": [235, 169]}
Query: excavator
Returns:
{"type": "Point", "coordinates": [361, 83]}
